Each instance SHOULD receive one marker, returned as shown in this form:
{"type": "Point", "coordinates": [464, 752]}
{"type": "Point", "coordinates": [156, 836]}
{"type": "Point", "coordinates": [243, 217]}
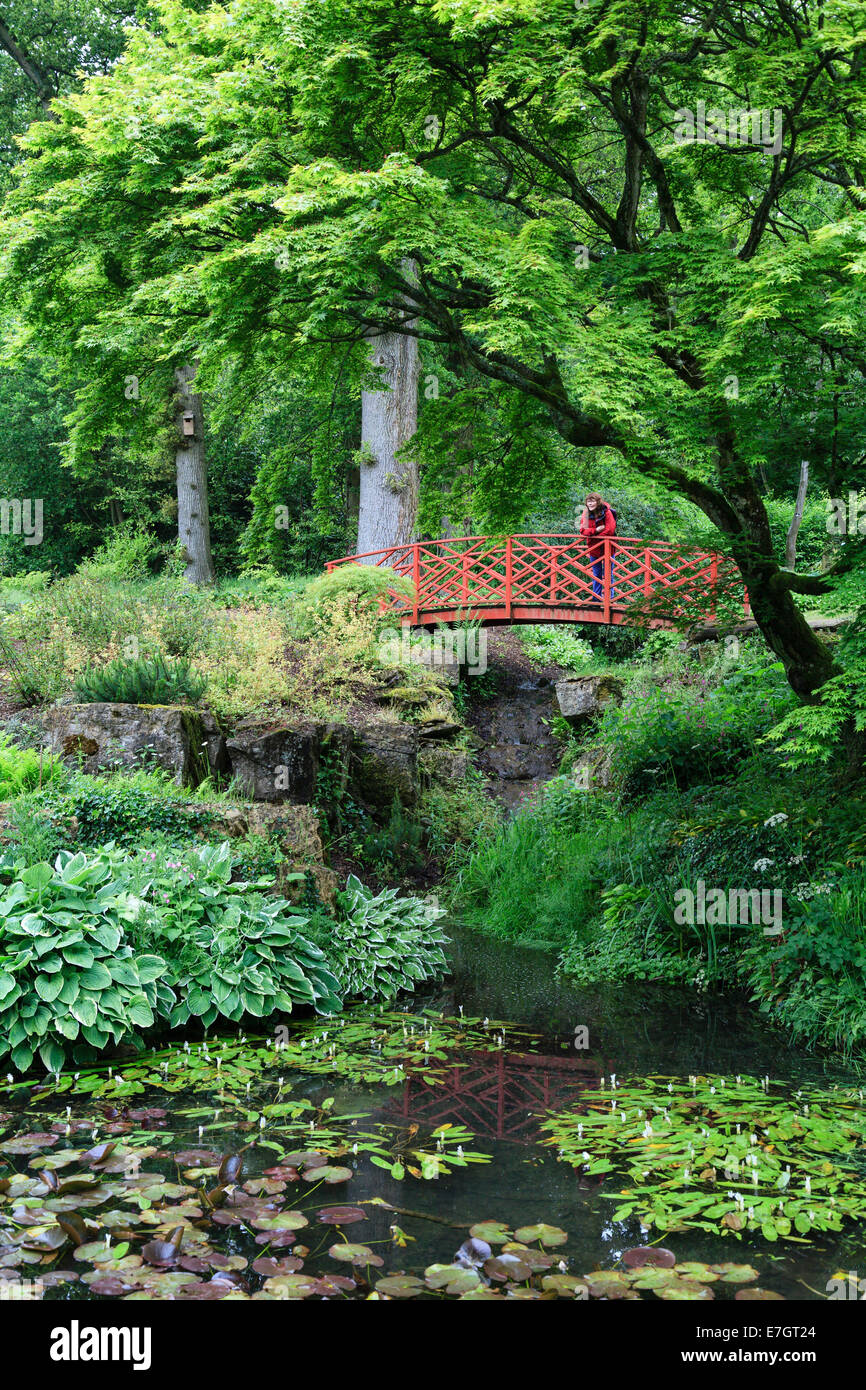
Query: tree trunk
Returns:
{"type": "Point", "coordinates": [807, 660]}
{"type": "Point", "coordinates": [389, 418]}
{"type": "Point", "coordinates": [794, 528]}
{"type": "Point", "coordinates": [193, 517]}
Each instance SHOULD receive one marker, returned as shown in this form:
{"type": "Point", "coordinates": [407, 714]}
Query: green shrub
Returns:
{"type": "Point", "coordinates": [88, 610]}
{"type": "Point", "coordinates": [363, 586]}
{"type": "Point", "coordinates": [69, 981]}
{"type": "Point", "coordinates": [35, 667]}
{"type": "Point", "coordinates": [124, 808]}
{"type": "Point", "coordinates": [141, 682]}
{"type": "Point", "coordinates": [381, 943]}
{"type": "Point", "coordinates": [686, 735]}
{"type": "Point", "coordinates": [555, 644]}
{"type": "Point", "coordinates": [128, 553]}
{"type": "Point", "coordinates": [812, 978]}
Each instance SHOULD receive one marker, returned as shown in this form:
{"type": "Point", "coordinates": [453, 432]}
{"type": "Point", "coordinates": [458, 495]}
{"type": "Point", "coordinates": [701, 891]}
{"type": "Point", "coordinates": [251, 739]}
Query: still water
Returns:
{"type": "Point", "coordinates": [630, 1030]}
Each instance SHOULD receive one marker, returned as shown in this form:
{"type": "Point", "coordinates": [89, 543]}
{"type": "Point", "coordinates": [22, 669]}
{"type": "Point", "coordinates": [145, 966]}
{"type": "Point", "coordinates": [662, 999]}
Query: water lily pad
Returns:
{"type": "Point", "coordinates": [536, 1259]}
{"type": "Point", "coordinates": [735, 1274]}
{"type": "Point", "coordinates": [341, 1216]}
{"type": "Point", "coordinates": [197, 1158]}
{"type": "Point", "coordinates": [208, 1292]}
{"type": "Point", "coordinates": [327, 1173]}
{"type": "Point", "coordinates": [399, 1286]}
{"type": "Point", "coordinates": [697, 1272]}
{"type": "Point", "coordinates": [281, 1221]}
{"type": "Point", "coordinates": [685, 1290]}
{"type": "Point", "coordinates": [355, 1254]}
{"type": "Point", "coordinates": [565, 1286]}
{"type": "Point", "coordinates": [327, 1284]}
{"type": "Point", "coordinates": [547, 1235]}
{"type": "Point", "coordinates": [759, 1296]}
{"type": "Point", "coordinates": [492, 1231]}
{"type": "Point", "coordinates": [278, 1239]}
{"type": "Point", "coordinates": [640, 1255]}
{"type": "Point", "coordinates": [453, 1279]}
{"type": "Point", "coordinates": [28, 1143]}
{"type": "Point", "coordinates": [291, 1285]}
{"type": "Point", "coordinates": [269, 1265]}
{"type": "Point", "coordinates": [507, 1267]}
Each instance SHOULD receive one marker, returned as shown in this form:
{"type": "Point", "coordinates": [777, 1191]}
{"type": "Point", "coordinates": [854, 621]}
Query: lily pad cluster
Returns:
{"type": "Point", "coordinates": [722, 1154]}
{"type": "Point", "coordinates": [383, 1048]}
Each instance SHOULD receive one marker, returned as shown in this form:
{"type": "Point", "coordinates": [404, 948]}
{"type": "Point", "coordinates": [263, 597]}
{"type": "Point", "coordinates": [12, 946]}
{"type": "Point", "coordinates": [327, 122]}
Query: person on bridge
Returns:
{"type": "Point", "coordinates": [597, 521]}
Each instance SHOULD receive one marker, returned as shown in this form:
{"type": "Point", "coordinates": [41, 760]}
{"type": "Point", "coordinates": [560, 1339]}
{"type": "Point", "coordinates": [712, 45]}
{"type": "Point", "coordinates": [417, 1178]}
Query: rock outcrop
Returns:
{"type": "Point", "coordinates": [584, 698]}
{"type": "Point", "coordinates": [103, 737]}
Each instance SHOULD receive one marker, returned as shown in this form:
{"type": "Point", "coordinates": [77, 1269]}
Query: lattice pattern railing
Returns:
{"type": "Point", "coordinates": [530, 577]}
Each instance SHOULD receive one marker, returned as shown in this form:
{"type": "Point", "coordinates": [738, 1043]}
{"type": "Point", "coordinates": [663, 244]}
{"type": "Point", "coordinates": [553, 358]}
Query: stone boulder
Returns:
{"type": "Point", "coordinates": [280, 763]}
{"type": "Point", "coordinates": [384, 762]}
{"type": "Point", "coordinates": [294, 828]}
{"type": "Point", "coordinates": [102, 737]}
{"type": "Point", "coordinates": [584, 698]}
{"type": "Point", "coordinates": [275, 763]}
{"type": "Point", "coordinates": [446, 767]}
{"type": "Point", "coordinates": [592, 771]}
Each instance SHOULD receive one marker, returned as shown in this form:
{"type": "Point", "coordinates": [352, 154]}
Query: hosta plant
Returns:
{"type": "Point", "coordinates": [233, 950]}
{"type": "Point", "coordinates": [382, 943]}
{"type": "Point", "coordinates": [70, 984]}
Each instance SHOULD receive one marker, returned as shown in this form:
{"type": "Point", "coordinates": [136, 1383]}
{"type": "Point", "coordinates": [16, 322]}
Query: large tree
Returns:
{"type": "Point", "coordinates": [526, 157]}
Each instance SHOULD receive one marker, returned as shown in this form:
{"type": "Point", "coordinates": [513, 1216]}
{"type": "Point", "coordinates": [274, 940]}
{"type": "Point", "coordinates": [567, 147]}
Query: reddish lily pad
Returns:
{"type": "Point", "coordinates": [269, 1266]}
{"type": "Point", "coordinates": [341, 1216]}
{"type": "Point", "coordinates": [640, 1255]}
{"type": "Point", "coordinates": [758, 1295]}
{"type": "Point", "coordinates": [29, 1143]}
{"type": "Point", "coordinates": [506, 1266]}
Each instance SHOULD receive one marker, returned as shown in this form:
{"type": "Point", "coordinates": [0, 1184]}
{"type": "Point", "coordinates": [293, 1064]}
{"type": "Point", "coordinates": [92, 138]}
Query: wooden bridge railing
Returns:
{"type": "Point", "coordinates": [555, 578]}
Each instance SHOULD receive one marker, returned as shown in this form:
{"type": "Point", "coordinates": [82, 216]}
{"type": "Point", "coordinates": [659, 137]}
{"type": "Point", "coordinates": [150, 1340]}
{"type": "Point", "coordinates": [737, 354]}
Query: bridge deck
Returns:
{"type": "Point", "coordinates": [556, 578]}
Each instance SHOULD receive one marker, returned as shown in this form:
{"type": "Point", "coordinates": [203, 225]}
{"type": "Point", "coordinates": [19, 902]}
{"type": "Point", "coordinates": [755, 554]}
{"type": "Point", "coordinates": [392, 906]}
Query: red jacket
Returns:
{"type": "Point", "coordinates": [602, 524]}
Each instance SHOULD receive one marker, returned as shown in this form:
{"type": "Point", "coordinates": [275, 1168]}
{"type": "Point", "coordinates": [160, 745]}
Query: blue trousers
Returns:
{"type": "Point", "coordinates": [598, 571]}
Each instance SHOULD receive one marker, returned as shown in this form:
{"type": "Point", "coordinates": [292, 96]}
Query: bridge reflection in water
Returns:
{"type": "Point", "coordinates": [498, 1095]}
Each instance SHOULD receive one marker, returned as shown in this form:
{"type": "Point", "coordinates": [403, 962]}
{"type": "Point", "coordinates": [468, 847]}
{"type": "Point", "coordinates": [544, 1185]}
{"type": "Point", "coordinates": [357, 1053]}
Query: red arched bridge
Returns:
{"type": "Point", "coordinates": [551, 578]}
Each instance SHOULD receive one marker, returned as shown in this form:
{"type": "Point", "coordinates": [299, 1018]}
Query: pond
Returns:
{"type": "Point", "coordinates": [254, 1170]}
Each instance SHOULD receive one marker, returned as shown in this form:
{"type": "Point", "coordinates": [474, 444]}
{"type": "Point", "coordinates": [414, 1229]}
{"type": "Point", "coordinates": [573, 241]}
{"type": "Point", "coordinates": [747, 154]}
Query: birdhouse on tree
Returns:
{"type": "Point", "coordinates": [188, 422]}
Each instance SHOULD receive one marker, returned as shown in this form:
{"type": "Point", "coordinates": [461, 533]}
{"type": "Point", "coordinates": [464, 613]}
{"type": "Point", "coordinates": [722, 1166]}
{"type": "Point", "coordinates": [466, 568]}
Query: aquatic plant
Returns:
{"type": "Point", "coordinates": [382, 1048]}
{"type": "Point", "coordinates": [722, 1154]}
